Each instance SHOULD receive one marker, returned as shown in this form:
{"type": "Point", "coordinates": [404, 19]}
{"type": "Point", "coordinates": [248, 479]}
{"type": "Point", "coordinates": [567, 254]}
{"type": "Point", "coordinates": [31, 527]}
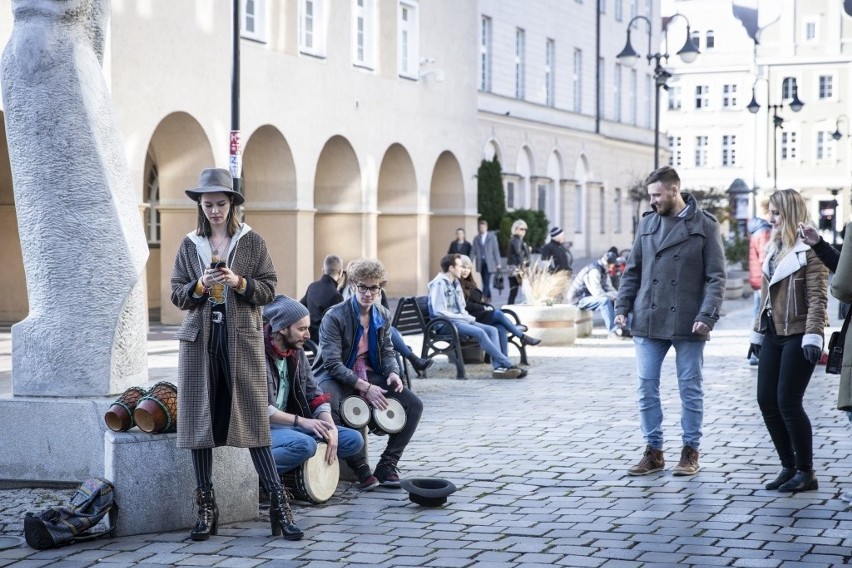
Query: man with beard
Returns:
{"type": "Point", "coordinates": [673, 285]}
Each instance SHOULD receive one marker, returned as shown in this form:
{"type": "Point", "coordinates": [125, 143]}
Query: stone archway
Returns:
{"type": "Point", "coordinates": [271, 208]}
{"type": "Point", "coordinates": [399, 247]}
{"type": "Point", "coordinates": [448, 204]}
{"type": "Point", "coordinates": [340, 225]}
{"type": "Point", "coordinates": [13, 302]}
{"type": "Point", "coordinates": [177, 152]}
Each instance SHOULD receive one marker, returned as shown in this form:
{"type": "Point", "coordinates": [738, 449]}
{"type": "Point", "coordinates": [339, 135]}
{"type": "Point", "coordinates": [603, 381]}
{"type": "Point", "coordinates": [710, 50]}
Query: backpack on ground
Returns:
{"type": "Point", "coordinates": [59, 526]}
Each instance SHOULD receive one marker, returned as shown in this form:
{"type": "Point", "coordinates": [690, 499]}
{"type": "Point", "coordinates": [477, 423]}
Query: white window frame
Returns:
{"type": "Point", "coordinates": [602, 211]}
{"type": "Point", "coordinates": [710, 38]}
{"type": "Point", "coordinates": [789, 85]}
{"type": "Point", "coordinates": [696, 38]}
{"type": "Point", "coordinates": [616, 93]}
{"type": "Point", "coordinates": [648, 95]}
{"type": "Point", "coordinates": [789, 144]}
{"type": "Point", "coordinates": [486, 33]}
{"type": "Point", "coordinates": [578, 80]}
{"type": "Point", "coordinates": [676, 151]}
{"type": "Point", "coordinates": [824, 146]}
{"type": "Point", "coordinates": [675, 100]}
{"type": "Point", "coordinates": [408, 39]}
{"type": "Point", "coordinates": [831, 84]}
{"type": "Point", "coordinates": [616, 211]}
{"type": "Point", "coordinates": [729, 96]}
{"type": "Point", "coordinates": [550, 72]}
{"type": "Point", "coordinates": [253, 12]}
{"type": "Point", "coordinates": [808, 24]}
{"type": "Point", "coordinates": [701, 147]}
{"type": "Point", "coordinates": [520, 63]}
{"type": "Point", "coordinates": [312, 27]}
{"type": "Point", "coordinates": [702, 97]}
{"type": "Point", "coordinates": [619, 10]}
{"type": "Point", "coordinates": [579, 207]}
{"type": "Point", "coordinates": [364, 33]}
{"type": "Point", "coordinates": [632, 98]}
{"type": "Point", "coordinates": [729, 150]}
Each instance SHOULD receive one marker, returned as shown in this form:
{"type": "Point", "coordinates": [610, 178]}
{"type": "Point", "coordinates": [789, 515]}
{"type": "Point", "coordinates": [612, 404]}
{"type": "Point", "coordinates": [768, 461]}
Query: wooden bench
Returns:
{"type": "Point", "coordinates": [440, 336]}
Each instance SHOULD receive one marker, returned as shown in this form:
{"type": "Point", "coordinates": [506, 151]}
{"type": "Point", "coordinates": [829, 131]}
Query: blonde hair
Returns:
{"type": "Point", "coordinates": [518, 224]}
{"type": "Point", "coordinates": [364, 269]}
{"type": "Point", "coordinates": [465, 260]}
{"type": "Point", "coordinates": [791, 211]}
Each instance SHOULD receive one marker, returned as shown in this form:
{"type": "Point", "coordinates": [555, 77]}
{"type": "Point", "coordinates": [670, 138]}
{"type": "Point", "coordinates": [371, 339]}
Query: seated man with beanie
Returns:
{"type": "Point", "coordinates": [299, 412]}
{"type": "Point", "coordinates": [592, 289]}
{"type": "Point", "coordinates": [356, 357]}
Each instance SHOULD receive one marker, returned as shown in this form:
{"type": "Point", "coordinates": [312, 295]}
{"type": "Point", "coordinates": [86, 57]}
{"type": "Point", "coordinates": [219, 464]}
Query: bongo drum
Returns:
{"type": "Point", "coordinates": [315, 480]}
{"type": "Point", "coordinates": [119, 417]}
{"type": "Point", "coordinates": [156, 412]}
{"type": "Point", "coordinates": [355, 412]}
{"type": "Point", "coordinates": [392, 419]}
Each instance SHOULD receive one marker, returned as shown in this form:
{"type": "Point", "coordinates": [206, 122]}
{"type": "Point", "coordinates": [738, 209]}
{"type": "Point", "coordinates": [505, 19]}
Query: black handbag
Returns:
{"type": "Point", "coordinates": [835, 348]}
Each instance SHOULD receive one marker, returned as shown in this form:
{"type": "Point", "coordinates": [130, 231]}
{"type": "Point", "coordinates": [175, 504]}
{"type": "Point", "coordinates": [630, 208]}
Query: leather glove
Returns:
{"type": "Point", "coordinates": [812, 353]}
{"type": "Point", "coordinates": [754, 349]}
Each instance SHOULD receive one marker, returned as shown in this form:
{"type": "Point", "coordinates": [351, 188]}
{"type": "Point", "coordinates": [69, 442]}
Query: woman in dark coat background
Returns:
{"type": "Point", "coordinates": [222, 278]}
{"type": "Point", "coordinates": [518, 258]}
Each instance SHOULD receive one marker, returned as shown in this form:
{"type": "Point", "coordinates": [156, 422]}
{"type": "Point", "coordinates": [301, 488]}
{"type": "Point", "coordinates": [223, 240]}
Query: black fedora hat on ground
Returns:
{"type": "Point", "coordinates": [428, 491]}
{"type": "Point", "coordinates": [215, 180]}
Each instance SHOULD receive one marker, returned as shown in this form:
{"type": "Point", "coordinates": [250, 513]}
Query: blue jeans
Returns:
{"type": "Point", "coordinates": [505, 327]}
{"type": "Point", "coordinates": [487, 338]}
{"type": "Point", "coordinates": [602, 304]}
{"type": "Point", "coordinates": [689, 358]}
{"type": "Point", "coordinates": [291, 447]}
{"type": "Point", "coordinates": [399, 344]}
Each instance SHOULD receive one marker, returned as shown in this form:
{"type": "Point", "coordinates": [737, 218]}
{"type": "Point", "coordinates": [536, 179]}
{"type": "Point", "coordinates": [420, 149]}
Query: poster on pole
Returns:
{"type": "Point", "coordinates": [236, 151]}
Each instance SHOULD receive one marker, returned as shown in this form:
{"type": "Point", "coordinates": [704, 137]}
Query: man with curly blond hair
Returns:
{"type": "Point", "coordinates": [357, 357]}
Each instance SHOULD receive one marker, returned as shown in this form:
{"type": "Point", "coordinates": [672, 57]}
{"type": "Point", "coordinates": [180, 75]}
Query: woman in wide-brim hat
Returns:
{"type": "Point", "coordinates": [222, 278]}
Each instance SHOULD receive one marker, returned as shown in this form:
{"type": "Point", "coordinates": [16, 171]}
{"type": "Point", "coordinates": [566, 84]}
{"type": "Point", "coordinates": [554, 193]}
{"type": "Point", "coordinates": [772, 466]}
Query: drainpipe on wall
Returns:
{"type": "Point", "coordinates": [598, 67]}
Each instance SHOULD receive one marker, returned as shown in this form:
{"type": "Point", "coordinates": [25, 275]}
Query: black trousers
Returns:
{"type": "Point", "coordinates": [514, 284]}
{"type": "Point", "coordinates": [410, 402]}
{"type": "Point", "coordinates": [783, 374]}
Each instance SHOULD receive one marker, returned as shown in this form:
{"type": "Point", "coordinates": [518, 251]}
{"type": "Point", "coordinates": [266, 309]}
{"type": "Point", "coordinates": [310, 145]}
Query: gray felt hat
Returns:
{"type": "Point", "coordinates": [215, 180]}
{"type": "Point", "coordinates": [283, 311]}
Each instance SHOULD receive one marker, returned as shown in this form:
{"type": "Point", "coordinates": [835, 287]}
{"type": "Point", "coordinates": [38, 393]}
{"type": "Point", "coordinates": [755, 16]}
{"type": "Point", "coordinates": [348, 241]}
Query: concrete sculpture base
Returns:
{"type": "Point", "coordinates": [155, 484]}
{"type": "Point", "coordinates": [554, 325]}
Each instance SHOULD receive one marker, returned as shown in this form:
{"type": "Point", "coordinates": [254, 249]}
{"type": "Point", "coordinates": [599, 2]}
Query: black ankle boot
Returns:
{"type": "Point", "coordinates": [208, 514]}
{"type": "Point", "coordinates": [527, 340]}
{"type": "Point", "coordinates": [785, 475]}
{"type": "Point", "coordinates": [802, 481]}
{"type": "Point", "coordinates": [419, 364]}
{"type": "Point", "coordinates": [281, 517]}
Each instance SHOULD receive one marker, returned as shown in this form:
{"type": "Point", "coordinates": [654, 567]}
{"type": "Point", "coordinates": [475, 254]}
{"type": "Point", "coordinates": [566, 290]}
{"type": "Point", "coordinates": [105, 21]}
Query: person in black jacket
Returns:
{"type": "Point", "coordinates": [323, 293]}
{"type": "Point", "coordinates": [518, 258]}
{"type": "Point", "coordinates": [460, 245]}
{"type": "Point", "coordinates": [555, 251]}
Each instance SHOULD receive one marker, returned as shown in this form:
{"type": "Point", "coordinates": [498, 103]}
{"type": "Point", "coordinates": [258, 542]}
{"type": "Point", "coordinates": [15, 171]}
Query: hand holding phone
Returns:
{"type": "Point", "coordinates": [217, 265]}
{"type": "Point", "coordinates": [801, 231]}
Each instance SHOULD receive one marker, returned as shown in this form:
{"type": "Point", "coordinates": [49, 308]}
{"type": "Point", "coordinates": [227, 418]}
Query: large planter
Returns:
{"type": "Point", "coordinates": [554, 325]}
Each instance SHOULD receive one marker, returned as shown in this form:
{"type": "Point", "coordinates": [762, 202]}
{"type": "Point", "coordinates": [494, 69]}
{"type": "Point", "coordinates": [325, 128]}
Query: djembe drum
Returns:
{"type": "Point", "coordinates": [390, 420]}
{"type": "Point", "coordinates": [157, 411]}
{"type": "Point", "coordinates": [355, 412]}
{"type": "Point", "coordinates": [119, 417]}
{"type": "Point", "coordinates": [315, 481]}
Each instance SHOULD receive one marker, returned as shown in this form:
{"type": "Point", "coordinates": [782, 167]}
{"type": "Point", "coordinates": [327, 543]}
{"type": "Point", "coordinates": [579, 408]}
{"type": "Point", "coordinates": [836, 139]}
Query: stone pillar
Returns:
{"type": "Point", "coordinates": [82, 239]}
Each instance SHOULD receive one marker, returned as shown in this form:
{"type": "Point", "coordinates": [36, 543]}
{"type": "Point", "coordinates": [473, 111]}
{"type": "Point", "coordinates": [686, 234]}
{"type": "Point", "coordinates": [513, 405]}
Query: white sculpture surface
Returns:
{"type": "Point", "coordinates": [80, 228]}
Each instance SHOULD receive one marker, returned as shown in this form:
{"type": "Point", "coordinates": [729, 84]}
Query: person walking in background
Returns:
{"type": "Point", "coordinates": [486, 254]}
{"type": "Point", "coordinates": [460, 245]}
{"type": "Point", "coordinates": [222, 277]}
{"type": "Point", "coordinates": [787, 337]}
{"type": "Point", "coordinates": [673, 285]}
{"type": "Point", "coordinates": [554, 251]}
{"type": "Point", "coordinates": [323, 293]}
{"type": "Point", "coordinates": [759, 230]}
{"type": "Point", "coordinates": [518, 258]}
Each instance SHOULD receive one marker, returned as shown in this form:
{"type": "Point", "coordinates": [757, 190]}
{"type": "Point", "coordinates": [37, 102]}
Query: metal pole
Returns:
{"type": "Point", "coordinates": [236, 152]}
{"type": "Point", "coordinates": [774, 154]}
{"type": "Point", "coordinates": [657, 115]}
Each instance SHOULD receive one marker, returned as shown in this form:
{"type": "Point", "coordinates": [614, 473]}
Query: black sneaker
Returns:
{"type": "Point", "coordinates": [507, 372]}
{"type": "Point", "coordinates": [387, 474]}
{"type": "Point", "coordinates": [522, 372]}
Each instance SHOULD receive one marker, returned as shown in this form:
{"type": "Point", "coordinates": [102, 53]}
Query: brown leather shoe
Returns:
{"type": "Point", "coordinates": [651, 461]}
{"type": "Point", "coordinates": [688, 462]}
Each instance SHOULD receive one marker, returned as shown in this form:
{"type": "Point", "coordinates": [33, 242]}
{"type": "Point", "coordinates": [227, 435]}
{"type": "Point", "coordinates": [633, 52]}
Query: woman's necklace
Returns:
{"type": "Point", "coordinates": [215, 247]}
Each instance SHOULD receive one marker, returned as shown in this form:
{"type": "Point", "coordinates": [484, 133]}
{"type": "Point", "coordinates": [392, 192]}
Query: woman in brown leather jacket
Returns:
{"type": "Point", "coordinates": [788, 336]}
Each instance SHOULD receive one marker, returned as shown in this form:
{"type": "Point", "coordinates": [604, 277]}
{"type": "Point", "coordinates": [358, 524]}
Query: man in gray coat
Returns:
{"type": "Point", "coordinates": [485, 256]}
{"type": "Point", "coordinates": [673, 284]}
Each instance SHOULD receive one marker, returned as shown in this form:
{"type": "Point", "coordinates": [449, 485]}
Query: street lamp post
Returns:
{"type": "Point", "coordinates": [629, 56]}
{"type": "Point", "coordinates": [777, 121]}
{"type": "Point", "coordinates": [235, 145]}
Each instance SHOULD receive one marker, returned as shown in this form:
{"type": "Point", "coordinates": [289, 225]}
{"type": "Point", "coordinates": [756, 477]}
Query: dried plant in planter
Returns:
{"type": "Point", "coordinates": [542, 287]}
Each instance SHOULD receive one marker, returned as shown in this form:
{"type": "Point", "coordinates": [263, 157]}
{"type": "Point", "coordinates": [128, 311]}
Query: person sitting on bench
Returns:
{"type": "Point", "coordinates": [446, 299]}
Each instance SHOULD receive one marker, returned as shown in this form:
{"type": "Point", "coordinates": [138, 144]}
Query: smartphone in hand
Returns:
{"type": "Point", "coordinates": [216, 265]}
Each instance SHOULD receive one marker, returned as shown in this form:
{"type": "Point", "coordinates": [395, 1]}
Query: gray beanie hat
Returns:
{"type": "Point", "coordinates": [283, 311]}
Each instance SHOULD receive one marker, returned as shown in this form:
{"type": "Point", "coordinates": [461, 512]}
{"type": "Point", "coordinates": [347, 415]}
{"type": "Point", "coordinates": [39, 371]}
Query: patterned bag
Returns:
{"type": "Point", "coordinates": [59, 526]}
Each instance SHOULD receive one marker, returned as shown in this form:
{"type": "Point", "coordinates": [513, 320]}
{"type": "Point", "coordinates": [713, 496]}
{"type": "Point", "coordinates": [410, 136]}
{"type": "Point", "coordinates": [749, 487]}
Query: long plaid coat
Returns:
{"type": "Point", "coordinates": [249, 425]}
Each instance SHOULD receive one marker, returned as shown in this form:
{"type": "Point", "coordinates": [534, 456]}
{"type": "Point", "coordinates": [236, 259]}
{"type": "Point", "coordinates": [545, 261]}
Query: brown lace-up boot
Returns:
{"type": "Point", "coordinates": [688, 464]}
{"type": "Point", "coordinates": [652, 460]}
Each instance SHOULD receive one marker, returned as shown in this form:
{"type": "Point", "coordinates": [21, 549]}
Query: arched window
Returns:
{"type": "Point", "coordinates": [696, 38]}
{"type": "Point", "coordinates": [788, 88]}
{"type": "Point", "coordinates": [711, 39]}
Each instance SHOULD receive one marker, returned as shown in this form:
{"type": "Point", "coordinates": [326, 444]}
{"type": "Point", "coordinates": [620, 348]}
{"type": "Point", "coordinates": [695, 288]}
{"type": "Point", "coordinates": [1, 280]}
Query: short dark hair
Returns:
{"type": "Point", "coordinates": [666, 175]}
{"type": "Point", "coordinates": [460, 229]}
{"type": "Point", "coordinates": [448, 261]}
{"type": "Point", "coordinates": [483, 222]}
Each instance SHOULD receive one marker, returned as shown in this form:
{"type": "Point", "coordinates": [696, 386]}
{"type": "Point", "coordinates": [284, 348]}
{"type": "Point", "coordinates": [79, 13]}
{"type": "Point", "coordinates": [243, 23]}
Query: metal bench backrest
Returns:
{"type": "Point", "coordinates": [409, 317]}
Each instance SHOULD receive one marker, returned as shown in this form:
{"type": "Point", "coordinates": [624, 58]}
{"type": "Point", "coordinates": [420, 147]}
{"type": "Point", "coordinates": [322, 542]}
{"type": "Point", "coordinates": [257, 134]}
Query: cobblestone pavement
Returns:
{"type": "Point", "coordinates": [540, 465]}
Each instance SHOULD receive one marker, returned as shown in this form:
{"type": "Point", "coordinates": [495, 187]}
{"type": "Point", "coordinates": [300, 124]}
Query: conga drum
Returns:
{"type": "Point", "coordinates": [157, 411]}
{"type": "Point", "coordinates": [315, 481]}
{"type": "Point", "coordinates": [355, 412]}
{"type": "Point", "coordinates": [119, 417]}
{"type": "Point", "coordinates": [392, 419]}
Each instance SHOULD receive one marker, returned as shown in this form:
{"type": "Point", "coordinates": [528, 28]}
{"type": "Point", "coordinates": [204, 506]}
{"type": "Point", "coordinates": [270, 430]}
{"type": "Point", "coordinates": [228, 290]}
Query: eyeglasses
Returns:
{"type": "Point", "coordinates": [373, 290]}
{"type": "Point", "coordinates": [522, 228]}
